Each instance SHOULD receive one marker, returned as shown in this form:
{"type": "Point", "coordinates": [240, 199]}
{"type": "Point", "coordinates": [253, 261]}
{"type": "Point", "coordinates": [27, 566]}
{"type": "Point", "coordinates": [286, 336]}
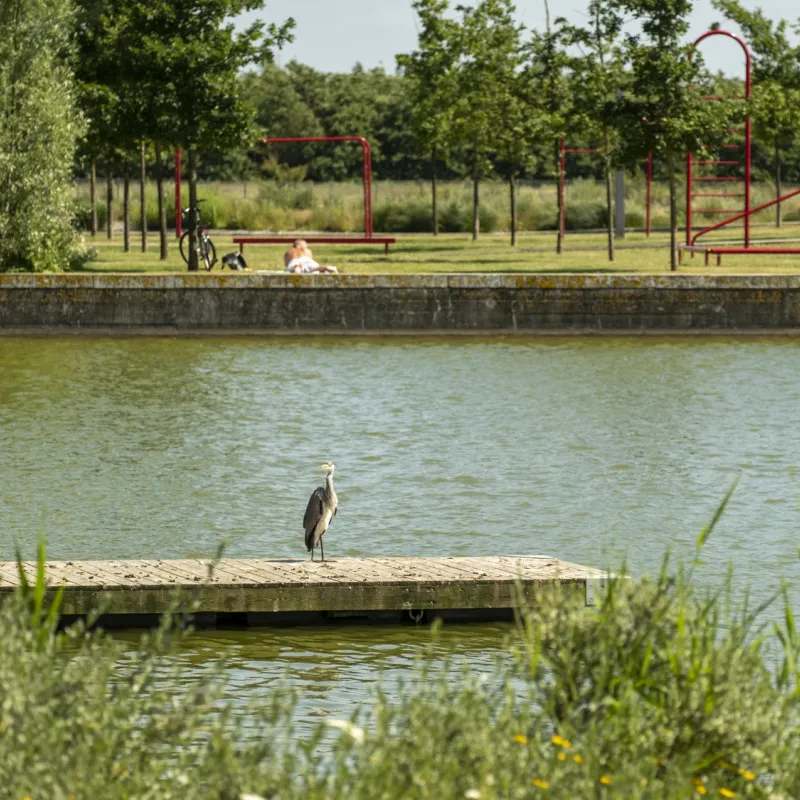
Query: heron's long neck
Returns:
{"type": "Point", "coordinates": [329, 483]}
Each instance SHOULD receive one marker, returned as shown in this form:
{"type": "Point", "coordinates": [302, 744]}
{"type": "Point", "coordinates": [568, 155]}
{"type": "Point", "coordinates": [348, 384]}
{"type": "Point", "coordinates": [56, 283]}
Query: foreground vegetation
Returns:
{"type": "Point", "coordinates": [661, 691]}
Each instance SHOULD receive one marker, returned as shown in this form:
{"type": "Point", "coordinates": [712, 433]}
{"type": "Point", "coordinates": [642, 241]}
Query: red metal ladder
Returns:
{"type": "Point", "coordinates": [742, 149]}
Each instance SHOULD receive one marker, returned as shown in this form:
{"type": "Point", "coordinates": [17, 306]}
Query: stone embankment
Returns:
{"type": "Point", "coordinates": [454, 303]}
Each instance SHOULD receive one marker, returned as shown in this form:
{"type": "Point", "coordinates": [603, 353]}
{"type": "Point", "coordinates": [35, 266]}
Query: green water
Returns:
{"type": "Point", "coordinates": [587, 449]}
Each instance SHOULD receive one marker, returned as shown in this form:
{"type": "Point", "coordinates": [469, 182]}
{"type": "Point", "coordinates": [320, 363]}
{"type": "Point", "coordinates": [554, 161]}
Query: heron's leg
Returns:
{"type": "Point", "coordinates": [312, 553]}
{"type": "Point", "coordinates": [322, 547]}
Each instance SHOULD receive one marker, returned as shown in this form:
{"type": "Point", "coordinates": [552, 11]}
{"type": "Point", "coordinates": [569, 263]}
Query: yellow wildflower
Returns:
{"type": "Point", "coordinates": [701, 789]}
{"type": "Point", "coordinates": [578, 759]}
{"type": "Point", "coordinates": [747, 774]}
{"type": "Point", "coordinates": [605, 779]}
{"type": "Point", "coordinates": [561, 741]}
{"type": "Point", "coordinates": [521, 739]}
{"type": "Point", "coordinates": [562, 756]}
{"type": "Point", "coordinates": [727, 792]}
{"type": "Point", "coordinates": [540, 783]}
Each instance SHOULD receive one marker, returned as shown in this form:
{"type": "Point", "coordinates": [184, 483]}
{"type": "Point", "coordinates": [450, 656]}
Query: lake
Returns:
{"type": "Point", "coordinates": [593, 450]}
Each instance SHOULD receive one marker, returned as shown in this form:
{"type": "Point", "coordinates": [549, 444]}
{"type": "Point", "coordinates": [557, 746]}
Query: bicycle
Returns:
{"type": "Point", "coordinates": [206, 252]}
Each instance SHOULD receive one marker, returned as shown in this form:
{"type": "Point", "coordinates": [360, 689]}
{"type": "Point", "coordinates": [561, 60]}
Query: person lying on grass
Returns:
{"type": "Point", "coordinates": [299, 259]}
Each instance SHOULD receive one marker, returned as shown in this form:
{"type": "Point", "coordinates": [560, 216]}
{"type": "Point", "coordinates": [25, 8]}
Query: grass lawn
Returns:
{"type": "Point", "coordinates": [457, 253]}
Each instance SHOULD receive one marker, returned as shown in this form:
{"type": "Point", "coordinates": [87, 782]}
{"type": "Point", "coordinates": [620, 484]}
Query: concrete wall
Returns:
{"type": "Point", "coordinates": [397, 303]}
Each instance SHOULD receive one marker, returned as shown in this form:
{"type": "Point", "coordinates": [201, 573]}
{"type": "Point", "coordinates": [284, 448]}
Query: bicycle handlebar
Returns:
{"type": "Point", "coordinates": [190, 208]}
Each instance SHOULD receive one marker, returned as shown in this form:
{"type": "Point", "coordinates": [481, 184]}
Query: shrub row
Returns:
{"type": "Point", "coordinates": [404, 207]}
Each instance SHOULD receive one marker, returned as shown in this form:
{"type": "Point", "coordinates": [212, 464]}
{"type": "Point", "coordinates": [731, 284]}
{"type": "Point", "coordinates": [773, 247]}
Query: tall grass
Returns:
{"type": "Point", "coordinates": [661, 691]}
{"type": "Point", "coordinates": [404, 207]}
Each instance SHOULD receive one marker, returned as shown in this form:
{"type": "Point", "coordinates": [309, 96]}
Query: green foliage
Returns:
{"type": "Point", "coordinates": [660, 691]}
{"type": "Point", "coordinates": [430, 73]}
{"type": "Point", "coordinates": [400, 206]}
{"type": "Point", "coordinates": [663, 111]}
{"type": "Point", "coordinates": [38, 129]}
{"type": "Point", "coordinates": [299, 101]}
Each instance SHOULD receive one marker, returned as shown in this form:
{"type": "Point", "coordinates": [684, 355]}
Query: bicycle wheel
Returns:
{"type": "Point", "coordinates": [207, 252]}
{"type": "Point", "coordinates": [184, 247]}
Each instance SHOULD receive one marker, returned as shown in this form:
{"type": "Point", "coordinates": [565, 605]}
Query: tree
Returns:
{"type": "Point", "coordinates": [181, 64]}
{"type": "Point", "coordinates": [600, 72]}
{"type": "Point", "coordinates": [431, 71]}
{"type": "Point", "coordinates": [38, 133]}
{"type": "Point", "coordinates": [663, 111]}
{"type": "Point", "coordinates": [547, 68]}
{"type": "Point", "coordinates": [490, 56]}
{"type": "Point", "coordinates": [522, 124]}
{"type": "Point", "coordinates": [776, 82]}
{"type": "Point", "coordinates": [96, 72]}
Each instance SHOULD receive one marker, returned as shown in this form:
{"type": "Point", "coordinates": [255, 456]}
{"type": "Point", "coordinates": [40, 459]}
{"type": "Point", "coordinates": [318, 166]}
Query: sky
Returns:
{"type": "Point", "coordinates": [332, 35]}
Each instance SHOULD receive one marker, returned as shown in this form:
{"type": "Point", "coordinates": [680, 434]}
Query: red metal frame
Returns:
{"type": "Point", "coordinates": [368, 229]}
{"type": "Point", "coordinates": [691, 179]}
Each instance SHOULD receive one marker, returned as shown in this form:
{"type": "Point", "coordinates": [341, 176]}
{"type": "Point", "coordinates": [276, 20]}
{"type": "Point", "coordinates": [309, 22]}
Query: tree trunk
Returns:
{"type": "Point", "coordinates": [434, 207]}
{"type": "Point", "coordinates": [126, 211]}
{"type": "Point", "coordinates": [142, 199]}
{"type": "Point", "coordinates": [476, 209]}
{"type": "Point", "coordinates": [93, 195]}
{"type": "Point", "coordinates": [193, 212]}
{"type": "Point", "coordinates": [162, 208]}
{"type": "Point", "coordinates": [610, 210]}
{"type": "Point", "coordinates": [673, 214]}
{"type": "Point", "coordinates": [778, 185]}
{"type": "Point", "coordinates": [512, 189]}
{"type": "Point", "coordinates": [559, 201]}
{"type": "Point", "coordinates": [109, 201]}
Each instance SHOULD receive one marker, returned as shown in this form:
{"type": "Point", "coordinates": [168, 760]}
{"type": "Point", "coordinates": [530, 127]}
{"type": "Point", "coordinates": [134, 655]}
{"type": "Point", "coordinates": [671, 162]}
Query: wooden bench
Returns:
{"type": "Point", "coordinates": [384, 240]}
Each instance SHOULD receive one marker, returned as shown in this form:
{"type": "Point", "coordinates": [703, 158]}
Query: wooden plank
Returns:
{"type": "Point", "coordinates": [293, 585]}
{"type": "Point", "coordinates": [54, 574]}
{"type": "Point", "coordinates": [443, 570]}
{"type": "Point", "coordinates": [474, 570]}
{"type": "Point", "coordinates": [290, 573]}
{"type": "Point", "coordinates": [191, 571]}
{"type": "Point", "coordinates": [9, 576]}
{"type": "Point", "coordinates": [407, 570]}
{"type": "Point", "coordinates": [100, 569]}
{"type": "Point", "coordinates": [350, 570]}
{"type": "Point", "coordinates": [144, 573]}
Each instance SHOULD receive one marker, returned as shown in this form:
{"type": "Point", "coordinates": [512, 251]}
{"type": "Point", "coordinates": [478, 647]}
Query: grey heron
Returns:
{"type": "Point", "coordinates": [320, 511]}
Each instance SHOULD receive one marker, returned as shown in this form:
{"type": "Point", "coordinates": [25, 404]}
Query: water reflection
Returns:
{"type": "Point", "coordinates": [334, 669]}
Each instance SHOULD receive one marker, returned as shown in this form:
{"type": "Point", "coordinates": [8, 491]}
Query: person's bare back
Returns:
{"type": "Point", "coordinates": [299, 259]}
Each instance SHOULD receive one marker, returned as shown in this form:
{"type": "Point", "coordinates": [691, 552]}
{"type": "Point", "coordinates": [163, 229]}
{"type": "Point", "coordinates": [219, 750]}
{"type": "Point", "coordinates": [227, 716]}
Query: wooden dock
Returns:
{"type": "Point", "coordinates": [263, 591]}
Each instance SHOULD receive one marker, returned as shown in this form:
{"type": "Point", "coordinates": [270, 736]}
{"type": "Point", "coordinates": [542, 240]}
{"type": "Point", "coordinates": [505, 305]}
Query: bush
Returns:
{"type": "Point", "coordinates": [393, 217]}
{"type": "Point", "coordinates": [37, 139]}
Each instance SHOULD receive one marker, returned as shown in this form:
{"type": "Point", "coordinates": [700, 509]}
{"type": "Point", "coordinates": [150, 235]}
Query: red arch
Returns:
{"type": "Point", "coordinates": [745, 214]}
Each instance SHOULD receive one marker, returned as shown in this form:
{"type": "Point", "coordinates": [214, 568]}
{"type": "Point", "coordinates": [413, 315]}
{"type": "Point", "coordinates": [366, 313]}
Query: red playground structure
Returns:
{"type": "Point", "coordinates": [368, 236]}
{"type": "Point", "coordinates": [740, 157]}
